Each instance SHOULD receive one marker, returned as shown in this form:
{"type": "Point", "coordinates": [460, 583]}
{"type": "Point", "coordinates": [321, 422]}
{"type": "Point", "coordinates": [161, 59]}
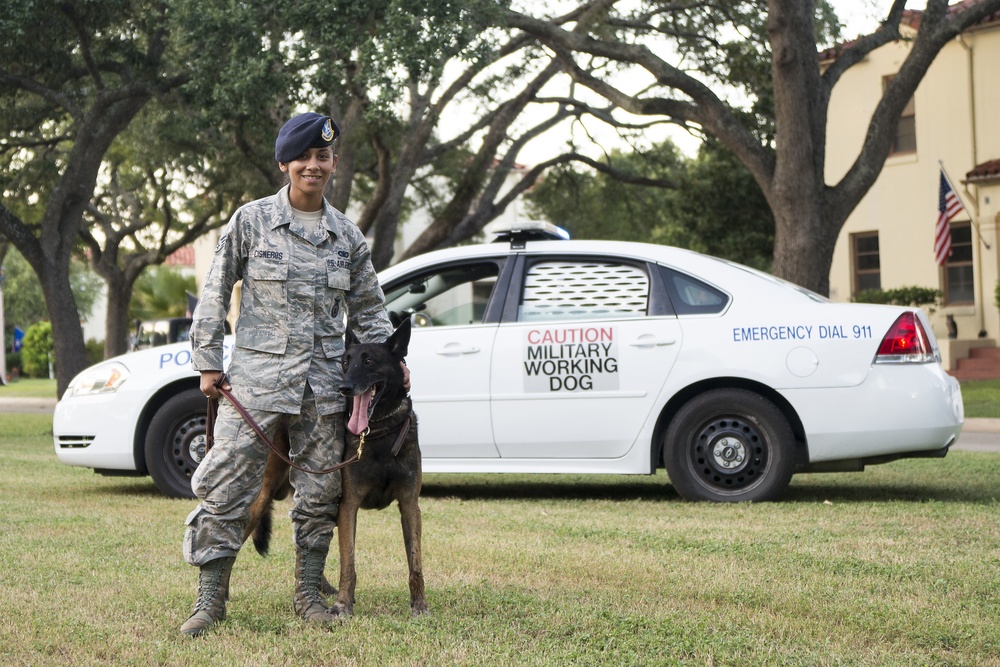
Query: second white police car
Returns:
{"type": "Point", "coordinates": [557, 356]}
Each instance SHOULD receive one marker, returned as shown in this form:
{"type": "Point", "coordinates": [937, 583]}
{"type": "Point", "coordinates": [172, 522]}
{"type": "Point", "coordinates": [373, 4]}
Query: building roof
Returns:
{"type": "Point", "coordinates": [181, 257]}
{"type": "Point", "coordinates": [987, 171]}
{"type": "Point", "coordinates": [911, 19]}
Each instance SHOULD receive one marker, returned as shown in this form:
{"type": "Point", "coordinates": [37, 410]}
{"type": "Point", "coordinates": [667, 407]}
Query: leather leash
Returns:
{"type": "Point", "coordinates": [213, 408]}
{"type": "Point", "coordinates": [398, 444]}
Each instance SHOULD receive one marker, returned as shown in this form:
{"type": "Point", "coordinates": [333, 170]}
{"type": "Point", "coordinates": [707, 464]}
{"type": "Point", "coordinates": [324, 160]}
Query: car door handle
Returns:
{"type": "Point", "coordinates": [649, 340]}
{"type": "Point", "coordinates": [456, 349]}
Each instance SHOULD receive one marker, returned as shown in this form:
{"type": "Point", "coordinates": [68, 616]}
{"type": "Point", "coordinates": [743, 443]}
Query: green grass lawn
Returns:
{"type": "Point", "coordinates": [29, 388]}
{"type": "Point", "coordinates": [981, 398]}
{"type": "Point", "coordinates": [898, 565]}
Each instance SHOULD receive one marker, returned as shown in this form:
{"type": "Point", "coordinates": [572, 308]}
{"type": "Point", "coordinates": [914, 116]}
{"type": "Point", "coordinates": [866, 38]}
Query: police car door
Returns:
{"type": "Point", "coordinates": [449, 353]}
{"type": "Point", "coordinates": [580, 358]}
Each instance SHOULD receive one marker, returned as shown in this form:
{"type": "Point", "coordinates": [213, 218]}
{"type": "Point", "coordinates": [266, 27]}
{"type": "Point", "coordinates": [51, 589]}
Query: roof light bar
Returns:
{"type": "Point", "coordinates": [520, 231]}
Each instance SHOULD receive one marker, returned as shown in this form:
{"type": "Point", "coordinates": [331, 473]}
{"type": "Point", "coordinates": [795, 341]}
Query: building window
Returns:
{"type": "Point", "coordinates": [958, 279]}
{"type": "Point", "coordinates": [865, 259]}
{"type": "Point", "coordinates": [905, 140]}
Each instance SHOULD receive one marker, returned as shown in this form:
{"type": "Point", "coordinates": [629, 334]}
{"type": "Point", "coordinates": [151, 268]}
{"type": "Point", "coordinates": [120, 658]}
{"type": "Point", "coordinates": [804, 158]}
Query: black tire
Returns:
{"type": "Point", "coordinates": [175, 442]}
{"type": "Point", "coordinates": [729, 445]}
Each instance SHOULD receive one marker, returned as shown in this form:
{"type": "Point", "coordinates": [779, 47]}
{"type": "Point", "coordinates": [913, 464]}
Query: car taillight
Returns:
{"type": "Point", "coordinates": [906, 342]}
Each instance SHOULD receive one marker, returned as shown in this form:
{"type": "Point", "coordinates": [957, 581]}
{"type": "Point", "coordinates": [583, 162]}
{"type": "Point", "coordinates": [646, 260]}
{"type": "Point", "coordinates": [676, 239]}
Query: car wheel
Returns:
{"type": "Point", "coordinates": [729, 445]}
{"type": "Point", "coordinates": [175, 442]}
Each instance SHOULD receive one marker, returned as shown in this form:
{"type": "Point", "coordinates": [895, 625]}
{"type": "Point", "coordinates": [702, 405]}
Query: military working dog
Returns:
{"type": "Point", "coordinates": [382, 433]}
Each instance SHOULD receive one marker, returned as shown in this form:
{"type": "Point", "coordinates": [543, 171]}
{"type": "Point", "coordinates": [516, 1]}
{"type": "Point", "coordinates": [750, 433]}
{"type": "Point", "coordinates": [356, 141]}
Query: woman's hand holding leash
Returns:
{"type": "Point", "coordinates": [209, 380]}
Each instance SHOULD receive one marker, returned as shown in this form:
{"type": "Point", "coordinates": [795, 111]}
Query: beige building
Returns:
{"type": "Point", "coordinates": [888, 241]}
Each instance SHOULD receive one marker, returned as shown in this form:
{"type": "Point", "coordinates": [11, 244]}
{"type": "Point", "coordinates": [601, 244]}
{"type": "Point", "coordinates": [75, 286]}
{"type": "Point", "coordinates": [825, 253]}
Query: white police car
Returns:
{"type": "Point", "coordinates": [557, 356]}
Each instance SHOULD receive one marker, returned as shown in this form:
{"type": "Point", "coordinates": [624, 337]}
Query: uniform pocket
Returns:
{"type": "Point", "coordinates": [188, 547]}
{"type": "Point", "coordinates": [263, 339]}
{"type": "Point", "coordinates": [268, 265]}
{"type": "Point", "coordinates": [267, 281]}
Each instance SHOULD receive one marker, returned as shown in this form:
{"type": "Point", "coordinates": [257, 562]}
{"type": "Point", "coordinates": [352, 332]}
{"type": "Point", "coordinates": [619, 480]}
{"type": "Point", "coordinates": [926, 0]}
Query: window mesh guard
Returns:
{"type": "Point", "coordinates": [576, 291]}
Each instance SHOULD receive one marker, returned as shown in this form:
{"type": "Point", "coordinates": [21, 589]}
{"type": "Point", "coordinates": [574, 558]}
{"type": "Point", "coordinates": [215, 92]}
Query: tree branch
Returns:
{"type": "Point", "coordinates": [32, 86]}
{"type": "Point", "coordinates": [888, 31]}
{"type": "Point", "coordinates": [705, 108]}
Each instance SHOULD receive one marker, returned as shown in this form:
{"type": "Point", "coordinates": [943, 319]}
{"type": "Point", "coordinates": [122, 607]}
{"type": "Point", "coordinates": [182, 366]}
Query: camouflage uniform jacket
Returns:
{"type": "Point", "coordinates": [297, 288]}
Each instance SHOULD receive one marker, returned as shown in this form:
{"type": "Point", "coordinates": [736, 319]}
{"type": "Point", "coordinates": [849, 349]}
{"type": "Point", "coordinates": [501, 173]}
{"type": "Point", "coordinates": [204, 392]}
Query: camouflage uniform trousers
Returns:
{"type": "Point", "coordinates": [229, 479]}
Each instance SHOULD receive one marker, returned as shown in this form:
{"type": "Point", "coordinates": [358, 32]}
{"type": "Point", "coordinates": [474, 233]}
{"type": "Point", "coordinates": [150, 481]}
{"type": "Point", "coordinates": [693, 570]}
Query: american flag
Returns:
{"type": "Point", "coordinates": [948, 207]}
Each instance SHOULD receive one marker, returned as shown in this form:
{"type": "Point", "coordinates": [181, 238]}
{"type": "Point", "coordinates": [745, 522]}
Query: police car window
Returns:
{"type": "Point", "coordinates": [450, 296]}
{"type": "Point", "coordinates": [691, 296]}
{"type": "Point", "coordinates": [809, 294]}
{"type": "Point", "coordinates": [583, 290]}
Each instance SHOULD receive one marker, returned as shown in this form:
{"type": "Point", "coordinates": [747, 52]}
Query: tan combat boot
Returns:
{"type": "Point", "coordinates": [213, 589]}
{"type": "Point", "coordinates": [308, 600]}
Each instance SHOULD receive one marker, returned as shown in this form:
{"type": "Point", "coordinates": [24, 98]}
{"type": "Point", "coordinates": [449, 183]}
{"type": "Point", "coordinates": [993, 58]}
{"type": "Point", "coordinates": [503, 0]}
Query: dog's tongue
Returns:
{"type": "Point", "coordinates": [359, 416]}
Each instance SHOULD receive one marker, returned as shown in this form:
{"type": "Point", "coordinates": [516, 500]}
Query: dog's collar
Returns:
{"type": "Point", "coordinates": [404, 404]}
{"type": "Point", "coordinates": [404, 428]}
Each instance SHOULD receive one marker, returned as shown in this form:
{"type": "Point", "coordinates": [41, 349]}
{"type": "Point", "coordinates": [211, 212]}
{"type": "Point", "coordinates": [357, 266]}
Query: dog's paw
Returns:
{"type": "Point", "coordinates": [419, 608]}
{"type": "Point", "coordinates": [341, 610]}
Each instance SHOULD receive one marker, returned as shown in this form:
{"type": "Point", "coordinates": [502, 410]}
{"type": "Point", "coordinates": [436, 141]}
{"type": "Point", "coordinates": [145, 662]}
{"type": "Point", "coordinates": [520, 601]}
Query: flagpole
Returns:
{"type": "Point", "coordinates": [968, 210]}
{"type": "Point", "coordinates": [977, 257]}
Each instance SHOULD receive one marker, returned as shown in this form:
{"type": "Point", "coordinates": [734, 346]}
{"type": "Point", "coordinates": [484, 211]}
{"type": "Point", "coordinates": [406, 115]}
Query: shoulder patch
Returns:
{"type": "Point", "coordinates": [222, 243]}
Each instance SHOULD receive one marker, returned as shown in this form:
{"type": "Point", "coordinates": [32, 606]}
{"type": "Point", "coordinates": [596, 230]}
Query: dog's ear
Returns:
{"type": "Point", "coordinates": [352, 339]}
{"type": "Point", "coordinates": [399, 341]}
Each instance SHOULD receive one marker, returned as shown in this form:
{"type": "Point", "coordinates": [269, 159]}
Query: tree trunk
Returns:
{"type": "Point", "coordinates": [803, 248]}
{"type": "Point", "coordinates": [67, 334]}
{"type": "Point", "coordinates": [803, 244]}
{"type": "Point", "coordinates": [347, 150]}
{"type": "Point", "coordinates": [117, 326]}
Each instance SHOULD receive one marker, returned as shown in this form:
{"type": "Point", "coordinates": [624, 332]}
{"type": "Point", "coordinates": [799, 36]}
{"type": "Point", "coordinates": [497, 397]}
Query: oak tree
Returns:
{"type": "Point", "coordinates": [734, 68]}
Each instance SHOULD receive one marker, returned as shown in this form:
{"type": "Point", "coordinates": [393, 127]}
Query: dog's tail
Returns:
{"type": "Point", "coordinates": [274, 486]}
{"type": "Point", "coordinates": [262, 533]}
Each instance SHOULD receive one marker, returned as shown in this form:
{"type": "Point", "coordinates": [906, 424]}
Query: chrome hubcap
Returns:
{"type": "Point", "coordinates": [729, 453]}
{"type": "Point", "coordinates": [196, 448]}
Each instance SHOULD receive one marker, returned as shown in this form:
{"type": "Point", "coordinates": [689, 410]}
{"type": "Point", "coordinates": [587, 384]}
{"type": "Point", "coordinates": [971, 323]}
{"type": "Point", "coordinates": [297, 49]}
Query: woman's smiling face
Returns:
{"type": "Point", "coordinates": [309, 174]}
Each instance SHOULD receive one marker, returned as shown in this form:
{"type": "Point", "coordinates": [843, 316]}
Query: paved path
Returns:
{"type": "Point", "coordinates": [10, 404]}
{"type": "Point", "coordinates": [978, 435]}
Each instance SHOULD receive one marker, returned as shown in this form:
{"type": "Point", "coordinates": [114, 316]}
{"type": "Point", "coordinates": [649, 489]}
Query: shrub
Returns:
{"type": "Point", "coordinates": [37, 350]}
{"type": "Point", "coordinates": [14, 364]}
{"type": "Point", "coordinates": [902, 296]}
{"type": "Point", "coordinates": [95, 351]}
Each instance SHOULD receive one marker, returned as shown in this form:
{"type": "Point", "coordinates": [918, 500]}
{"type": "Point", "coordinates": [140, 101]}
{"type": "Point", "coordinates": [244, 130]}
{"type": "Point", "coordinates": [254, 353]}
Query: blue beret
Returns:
{"type": "Point", "coordinates": [308, 130]}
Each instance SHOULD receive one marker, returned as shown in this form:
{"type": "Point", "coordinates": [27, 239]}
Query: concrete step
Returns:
{"type": "Point", "coordinates": [979, 363]}
{"type": "Point", "coordinates": [974, 363]}
{"type": "Point", "coordinates": [963, 375]}
{"type": "Point", "coordinates": [991, 353]}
